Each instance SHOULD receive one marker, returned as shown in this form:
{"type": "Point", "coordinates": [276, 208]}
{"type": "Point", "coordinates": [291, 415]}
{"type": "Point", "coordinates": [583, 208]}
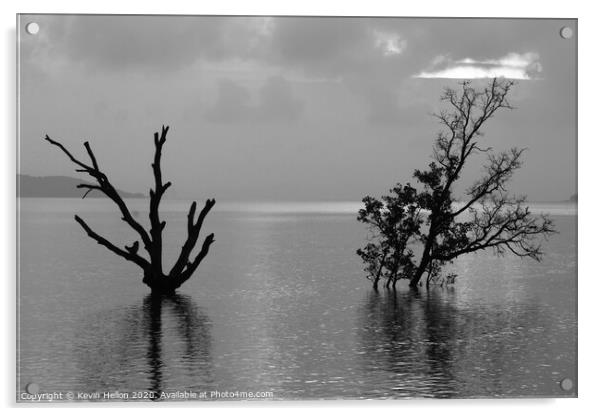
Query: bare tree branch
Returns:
{"type": "Point", "coordinates": [192, 266]}
{"type": "Point", "coordinates": [129, 255]}
{"type": "Point", "coordinates": [152, 240]}
{"type": "Point", "coordinates": [107, 188]}
{"type": "Point", "coordinates": [194, 228]}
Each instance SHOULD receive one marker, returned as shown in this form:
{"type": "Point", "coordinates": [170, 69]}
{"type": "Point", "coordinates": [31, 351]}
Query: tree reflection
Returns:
{"type": "Point", "coordinates": [152, 308]}
{"type": "Point", "coordinates": [192, 330]}
{"type": "Point", "coordinates": [428, 344]}
{"type": "Point", "coordinates": [411, 336]}
{"type": "Point", "coordinates": [162, 344]}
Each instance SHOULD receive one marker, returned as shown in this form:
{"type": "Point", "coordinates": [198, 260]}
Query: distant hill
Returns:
{"type": "Point", "coordinates": [59, 187]}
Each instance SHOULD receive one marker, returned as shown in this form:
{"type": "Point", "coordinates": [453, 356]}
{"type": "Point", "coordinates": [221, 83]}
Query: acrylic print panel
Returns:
{"type": "Point", "coordinates": [385, 208]}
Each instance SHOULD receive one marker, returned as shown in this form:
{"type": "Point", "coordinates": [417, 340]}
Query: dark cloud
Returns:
{"type": "Point", "coordinates": [275, 102]}
{"type": "Point", "coordinates": [321, 46]}
{"type": "Point", "coordinates": [383, 107]}
{"type": "Point", "coordinates": [233, 103]}
{"type": "Point", "coordinates": [147, 43]}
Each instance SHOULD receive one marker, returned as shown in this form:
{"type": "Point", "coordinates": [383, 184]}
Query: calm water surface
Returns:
{"type": "Point", "coordinates": [281, 305]}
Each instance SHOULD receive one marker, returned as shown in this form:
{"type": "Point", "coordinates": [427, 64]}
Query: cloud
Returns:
{"type": "Point", "coordinates": [273, 102]}
{"type": "Point", "coordinates": [148, 43]}
{"type": "Point", "coordinates": [277, 101]}
{"type": "Point", "coordinates": [390, 44]}
{"type": "Point", "coordinates": [141, 42]}
{"type": "Point", "coordinates": [383, 106]}
{"type": "Point", "coordinates": [513, 65]}
{"type": "Point", "coordinates": [326, 46]}
{"type": "Point", "coordinates": [233, 103]}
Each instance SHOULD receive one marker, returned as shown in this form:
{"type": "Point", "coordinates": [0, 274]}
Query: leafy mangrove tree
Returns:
{"type": "Point", "coordinates": [418, 228]}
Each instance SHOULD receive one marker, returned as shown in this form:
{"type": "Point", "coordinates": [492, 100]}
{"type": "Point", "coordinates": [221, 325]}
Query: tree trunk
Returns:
{"type": "Point", "coordinates": [380, 270]}
{"type": "Point", "coordinates": [163, 290]}
{"type": "Point", "coordinates": [160, 285]}
{"type": "Point", "coordinates": [426, 256]}
{"type": "Point", "coordinates": [420, 271]}
{"type": "Point", "coordinates": [388, 285]}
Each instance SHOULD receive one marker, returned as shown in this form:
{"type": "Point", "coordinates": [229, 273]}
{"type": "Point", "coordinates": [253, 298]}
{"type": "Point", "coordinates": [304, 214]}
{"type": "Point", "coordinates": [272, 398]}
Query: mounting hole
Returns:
{"type": "Point", "coordinates": [32, 388]}
{"type": "Point", "coordinates": [566, 384]}
{"type": "Point", "coordinates": [566, 32]}
{"type": "Point", "coordinates": [32, 28]}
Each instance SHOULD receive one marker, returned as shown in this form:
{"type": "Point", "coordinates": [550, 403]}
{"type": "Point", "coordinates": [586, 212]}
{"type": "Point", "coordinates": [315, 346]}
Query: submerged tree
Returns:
{"type": "Point", "coordinates": [152, 267]}
{"type": "Point", "coordinates": [443, 227]}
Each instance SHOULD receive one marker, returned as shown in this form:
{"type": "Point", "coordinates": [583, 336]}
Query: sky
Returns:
{"type": "Point", "coordinates": [289, 108]}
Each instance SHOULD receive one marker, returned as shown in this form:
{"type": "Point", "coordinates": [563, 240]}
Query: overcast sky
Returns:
{"type": "Point", "coordinates": [289, 108]}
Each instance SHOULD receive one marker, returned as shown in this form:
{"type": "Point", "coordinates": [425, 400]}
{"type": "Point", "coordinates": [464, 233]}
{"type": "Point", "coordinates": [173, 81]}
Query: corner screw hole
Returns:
{"type": "Point", "coordinates": [566, 32]}
{"type": "Point", "coordinates": [32, 388]}
{"type": "Point", "coordinates": [32, 28]}
{"type": "Point", "coordinates": [566, 384]}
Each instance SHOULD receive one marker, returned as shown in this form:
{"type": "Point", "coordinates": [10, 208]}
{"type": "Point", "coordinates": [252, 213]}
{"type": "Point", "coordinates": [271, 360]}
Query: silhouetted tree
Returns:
{"type": "Point", "coordinates": [152, 267]}
{"type": "Point", "coordinates": [430, 217]}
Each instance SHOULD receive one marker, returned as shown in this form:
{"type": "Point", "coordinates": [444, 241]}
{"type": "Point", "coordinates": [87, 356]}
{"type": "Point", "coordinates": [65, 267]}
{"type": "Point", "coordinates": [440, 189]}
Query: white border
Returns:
{"type": "Point", "coordinates": [589, 186]}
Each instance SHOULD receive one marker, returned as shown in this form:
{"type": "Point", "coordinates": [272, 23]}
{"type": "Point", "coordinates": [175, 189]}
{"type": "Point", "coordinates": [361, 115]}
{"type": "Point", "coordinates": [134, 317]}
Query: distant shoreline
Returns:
{"type": "Point", "coordinates": [59, 187]}
{"type": "Point", "coordinates": [30, 186]}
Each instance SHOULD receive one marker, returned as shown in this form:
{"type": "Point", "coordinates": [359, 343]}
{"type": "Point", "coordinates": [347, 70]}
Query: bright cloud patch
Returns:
{"type": "Point", "coordinates": [389, 44]}
{"type": "Point", "coordinates": [513, 66]}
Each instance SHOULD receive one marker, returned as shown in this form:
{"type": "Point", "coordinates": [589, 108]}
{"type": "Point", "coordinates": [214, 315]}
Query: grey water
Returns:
{"type": "Point", "coordinates": [281, 305]}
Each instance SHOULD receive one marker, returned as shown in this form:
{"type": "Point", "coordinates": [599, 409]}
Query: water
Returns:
{"type": "Point", "coordinates": [281, 305]}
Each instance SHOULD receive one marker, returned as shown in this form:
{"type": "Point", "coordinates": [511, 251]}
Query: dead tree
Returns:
{"type": "Point", "coordinates": [152, 265]}
{"type": "Point", "coordinates": [429, 216]}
